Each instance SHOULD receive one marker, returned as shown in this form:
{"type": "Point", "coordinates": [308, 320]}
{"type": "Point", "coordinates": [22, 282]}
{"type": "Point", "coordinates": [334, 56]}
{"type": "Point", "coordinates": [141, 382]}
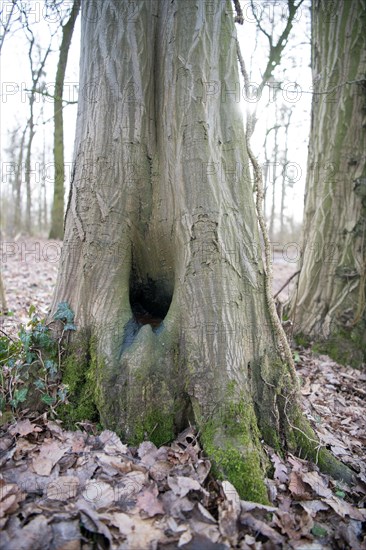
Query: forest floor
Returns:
{"type": "Point", "coordinates": [88, 490]}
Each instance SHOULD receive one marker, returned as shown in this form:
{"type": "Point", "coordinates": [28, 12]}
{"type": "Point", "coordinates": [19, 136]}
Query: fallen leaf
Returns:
{"type": "Point", "coordinates": [24, 427]}
{"type": "Point", "coordinates": [50, 454]}
{"type": "Point", "coordinates": [112, 443]}
{"type": "Point", "coordinates": [63, 488]}
{"type": "Point", "coordinates": [66, 534]}
{"type": "Point", "coordinates": [99, 494]}
{"type": "Point", "coordinates": [147, 502]}
{"type": "Point", "coordinates": [317, 484]}
{"type": "Point", "coordinates": [139, 533]}
{"type": "Point", "coordinates": [205, 514]}
{"type": "Point", "coordinates": [343, 508]}
{"type": "Point", "coordinates": [182, 485]}
{"type": "Point", "coordinates": [89, 519]}
{"type": "Point", "coordinates": [185, 538]}
{"type": "Point", "coordinates": [298, 487]}
{"type": "Point", "coordinates": [312, 507]}
{"type": "Point", "coordinates": [280, 470]}
{"type": "Point", "coordinates": [34, 535]}
{"type": "Point", "coordinates": [259, 526]}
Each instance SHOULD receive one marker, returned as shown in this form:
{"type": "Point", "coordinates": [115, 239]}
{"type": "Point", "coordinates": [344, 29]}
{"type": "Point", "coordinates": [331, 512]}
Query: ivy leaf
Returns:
{"type": "Point", "coordinates": [62, 393]}
{"type": "Point", "coordinates": [39, 384]}
{"type": "Point", "coordinates": [31, 310]}
{"type": "Point", "coordinates": [48, 399]}
{"type": "Point", "coordinates": [30, 357]}
{"type": "Point", "coordinates": [64, 313]}
{"type": "Point", "coordinates": [25, 338]}
{"type": "Point", "coordinates": [20, 395]}
{"type": "Point", "coordinates": [70, 326]}
{"type": "Point", "coordinates": [51, 366]}
{"type": "Point", "coordinates": [318, 531]}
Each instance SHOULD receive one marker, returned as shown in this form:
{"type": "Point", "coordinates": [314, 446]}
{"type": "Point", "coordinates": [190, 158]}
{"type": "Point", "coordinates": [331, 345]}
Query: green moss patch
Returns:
{"type": "Point", "coordinates": [302, 440]}
{"type": "Point", "coordinates": [231, 441]}
{"type": "Point", "coordinates": [78, 372]}
{"type": "Point", "coordinates": [155, 426]}
{"type": "Point", "coordinates": [346, 347]}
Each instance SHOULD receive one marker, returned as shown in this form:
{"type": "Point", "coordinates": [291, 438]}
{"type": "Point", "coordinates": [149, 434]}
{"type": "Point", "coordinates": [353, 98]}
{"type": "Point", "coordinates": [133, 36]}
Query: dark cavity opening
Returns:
{"type": "Point", "coordinates": [150, 301]}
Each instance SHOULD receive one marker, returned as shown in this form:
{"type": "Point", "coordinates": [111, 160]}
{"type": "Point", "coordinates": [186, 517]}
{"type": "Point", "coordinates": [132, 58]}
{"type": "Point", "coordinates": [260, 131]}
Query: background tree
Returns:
{"type": "Point", "coordinates": [278, 33]}
{"type": "Point", "coordinates": [57, 216]}
{"type": "Point", "coordinates": [329, 301]}
{"type": "Point", "coordinates": [161, 259]}
{"type": "Point", "coordinates": [9, 16]}
{"type": "Point", "coordinates": [286, 113]}
{"type": "Point", "coordinates": [37, 69]}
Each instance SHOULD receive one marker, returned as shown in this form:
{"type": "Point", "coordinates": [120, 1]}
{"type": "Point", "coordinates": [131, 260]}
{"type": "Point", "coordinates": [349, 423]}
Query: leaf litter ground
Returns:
{"type": "Point", "coordinates": [88, 490]}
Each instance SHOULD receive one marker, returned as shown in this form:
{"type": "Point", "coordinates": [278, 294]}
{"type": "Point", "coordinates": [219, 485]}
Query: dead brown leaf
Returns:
{"type": "Point", "coordinates": [148, 502]}
{"type": "Point", "coordinates": [317, 483]}
{"type": "Point", "coordinates": [298, 487]}
{"type": "Point", "coordinates": [50, 453]}
{"type": "Point", "coordinates": [182, 485]}
{"type": "Point", "coordinates": [343, 508]}
{"type": "Point", "coordinates": [10, 495]}
{"type": "Point", "coordinates": [280, 470]}
{"type": "Point", "coordinates": [24, 427]}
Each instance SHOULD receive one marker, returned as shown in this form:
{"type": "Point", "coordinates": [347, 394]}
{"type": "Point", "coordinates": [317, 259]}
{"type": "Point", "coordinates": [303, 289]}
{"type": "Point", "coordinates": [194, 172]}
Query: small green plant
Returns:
{"type": "Point", "coordinates": [30, 365]}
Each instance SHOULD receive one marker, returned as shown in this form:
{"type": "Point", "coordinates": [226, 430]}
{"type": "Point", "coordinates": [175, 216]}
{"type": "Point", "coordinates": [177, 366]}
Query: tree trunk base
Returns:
{"type": "Point", "coordinates": [146, 405]}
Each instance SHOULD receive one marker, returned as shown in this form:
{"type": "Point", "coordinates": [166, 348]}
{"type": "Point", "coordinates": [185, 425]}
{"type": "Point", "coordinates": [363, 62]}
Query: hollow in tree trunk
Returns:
{"type": "Point", "coordinates": [161, 259]}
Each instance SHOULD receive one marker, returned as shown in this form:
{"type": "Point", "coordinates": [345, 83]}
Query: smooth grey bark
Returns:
{"type": "Point", "coordinates": [161, 224]}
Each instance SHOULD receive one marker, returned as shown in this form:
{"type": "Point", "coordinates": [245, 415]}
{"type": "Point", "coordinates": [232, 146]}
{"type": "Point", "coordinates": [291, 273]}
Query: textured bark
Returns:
{"type": "Point", "coordinates": [161, 259]}
{"type": "Point", "coordinates": [329, 302]}
{"type": "Point", "coordinates": [57, 216]}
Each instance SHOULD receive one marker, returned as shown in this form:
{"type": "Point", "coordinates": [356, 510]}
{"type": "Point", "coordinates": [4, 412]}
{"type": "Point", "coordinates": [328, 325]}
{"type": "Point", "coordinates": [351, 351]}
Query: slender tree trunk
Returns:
{"type": "Point", "coordinates": [28, 209]}
{"type": "Point", "coordinates": [18, 184]}
{"type": "Point", "coordinates": [3, 304]}
{"type": "Point", "coordinates": [284, 182]}
{"type": "Point", "coordinates": [57, 216]}
{"type": "Point", "coordinates": [274, 177]}
{"type": "Point", "coordinates": [161, 259]}
{"type": "Point", "coordinates": [329, 302]}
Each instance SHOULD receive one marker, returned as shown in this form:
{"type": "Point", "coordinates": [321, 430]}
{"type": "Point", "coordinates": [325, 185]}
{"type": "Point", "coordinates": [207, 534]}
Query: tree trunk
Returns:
{"type": "Point", "coordinates": [329, 302]}
{"type": "Point", "coordinates": [161, 259]}
{"type": "Point", "coordinates": [57, 216]}
{"type": "Point", "coordinates": [28, 171]}
{"type": "Point", "coordinates": [274, 176]}
{"type": "Point", "coordinates": [18, 184]}
{"type": "Point", "coordinates": [3, 304]}
{"type": "Point", "coordinates": [284, 175]}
